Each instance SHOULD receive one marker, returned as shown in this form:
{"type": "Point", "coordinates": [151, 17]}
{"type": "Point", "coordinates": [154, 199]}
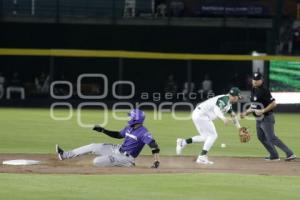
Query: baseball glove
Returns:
{"type": "Point", "coordinates": [244, 135]}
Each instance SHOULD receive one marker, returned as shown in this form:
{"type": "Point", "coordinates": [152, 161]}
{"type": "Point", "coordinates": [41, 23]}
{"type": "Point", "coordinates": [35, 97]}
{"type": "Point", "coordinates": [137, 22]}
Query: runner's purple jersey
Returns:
{"type": "Point", "coordinates": [135, 139]}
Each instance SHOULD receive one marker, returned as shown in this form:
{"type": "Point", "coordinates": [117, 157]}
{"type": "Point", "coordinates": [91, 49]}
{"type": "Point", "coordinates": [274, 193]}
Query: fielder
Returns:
{"type": "Point", "coordinates": [203, 117]}
{"type": "Point", "coordinates": [110, 155]}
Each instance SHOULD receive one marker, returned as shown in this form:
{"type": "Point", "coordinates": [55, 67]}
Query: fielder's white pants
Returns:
{"type": "Point", "coordinates": [206, 129]}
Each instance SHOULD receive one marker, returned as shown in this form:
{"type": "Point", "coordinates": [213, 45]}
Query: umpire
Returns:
{"type": "Point", "coordinates": [262, 105]}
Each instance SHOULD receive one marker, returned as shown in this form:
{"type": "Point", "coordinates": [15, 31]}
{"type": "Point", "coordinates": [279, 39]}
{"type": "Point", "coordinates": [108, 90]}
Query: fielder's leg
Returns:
{"type": "Point", "coordinates": [212, 135]}
{"type": "Point", "coordinates": [198, 120]}
{"type": "Point", "coordinates": [208, 135]}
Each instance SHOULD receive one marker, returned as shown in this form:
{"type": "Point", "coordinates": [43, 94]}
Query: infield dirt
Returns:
{"type": "Point", "coordinates": [169, 164]}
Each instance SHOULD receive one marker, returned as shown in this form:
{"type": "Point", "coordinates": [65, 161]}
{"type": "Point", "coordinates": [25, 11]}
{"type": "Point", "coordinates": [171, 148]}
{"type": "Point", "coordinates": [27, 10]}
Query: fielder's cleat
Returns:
{"type": "Point", "coordinates": [272, 158]}
{"type": "Point", "coordinates": [180, 144]}
{"type": "Point", "coordinates": [60, 152]}
{"type": "Point", "coordinates": [204, 160]}
{"type": "Point", "coordinates": [291, 157]}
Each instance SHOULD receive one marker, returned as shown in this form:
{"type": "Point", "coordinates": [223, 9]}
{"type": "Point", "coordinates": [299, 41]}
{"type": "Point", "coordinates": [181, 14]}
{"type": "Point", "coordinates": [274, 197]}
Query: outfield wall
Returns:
{"type": "Point", "coordinates": [143, 75]}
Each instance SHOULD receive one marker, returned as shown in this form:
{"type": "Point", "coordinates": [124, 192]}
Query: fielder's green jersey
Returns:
{"type": "Point", "coordinates": [216, 107]}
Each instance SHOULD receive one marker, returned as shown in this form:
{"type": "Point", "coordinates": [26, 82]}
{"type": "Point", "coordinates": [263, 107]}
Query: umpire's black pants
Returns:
{"type": "Point", "coordinates": [266, 135]}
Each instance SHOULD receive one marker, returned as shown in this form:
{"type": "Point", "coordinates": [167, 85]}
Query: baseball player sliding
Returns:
{"type": "Point", "coordinates": [203, 117]}
{"type": "Point", "coordinates": [108, 155]}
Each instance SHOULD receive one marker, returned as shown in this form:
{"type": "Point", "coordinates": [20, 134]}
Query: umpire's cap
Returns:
{"type": "Point", "coordinates": [257, 76]}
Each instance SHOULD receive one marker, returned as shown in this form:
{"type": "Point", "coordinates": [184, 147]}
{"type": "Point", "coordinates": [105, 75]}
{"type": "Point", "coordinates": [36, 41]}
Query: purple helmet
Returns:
{"type": "Point", "coordinates": [136, 117]}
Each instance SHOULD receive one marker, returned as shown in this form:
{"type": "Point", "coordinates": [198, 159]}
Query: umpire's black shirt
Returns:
{"type": "Point", "coordinates": [261, 95]}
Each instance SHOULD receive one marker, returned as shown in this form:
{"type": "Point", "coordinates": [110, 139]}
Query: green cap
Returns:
{"type": "Point", "coordinates": [234, 91]}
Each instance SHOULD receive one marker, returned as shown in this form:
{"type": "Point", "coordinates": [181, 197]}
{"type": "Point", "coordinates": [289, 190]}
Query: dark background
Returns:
{"type": "Point", "coordinates": [101, 25]}
{"type": "Point", "coordinates": [136, 38]}
{"type": "Point", "coordinates": [148, 75]}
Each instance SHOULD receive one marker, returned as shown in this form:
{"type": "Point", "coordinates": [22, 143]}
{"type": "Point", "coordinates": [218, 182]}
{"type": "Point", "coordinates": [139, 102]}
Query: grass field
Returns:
{"type": "Point", "coordinates": [33, 131]}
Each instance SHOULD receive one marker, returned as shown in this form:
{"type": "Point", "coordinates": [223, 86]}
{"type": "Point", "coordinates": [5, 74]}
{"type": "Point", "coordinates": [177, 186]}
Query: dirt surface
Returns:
{"type": "Point", "coordinates": [169, 164]}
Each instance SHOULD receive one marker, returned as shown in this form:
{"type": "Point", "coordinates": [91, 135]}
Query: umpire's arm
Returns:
{"type": "Point", "coordinates": [270, 101]}
{"type": "Point", "coordinates": [270, 107]}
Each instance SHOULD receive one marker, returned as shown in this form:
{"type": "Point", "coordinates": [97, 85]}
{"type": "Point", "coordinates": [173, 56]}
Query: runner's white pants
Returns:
{"type": "Point", "coordinates": [206, 129]}
{"type": "Point", "coordinates": [108, 155]}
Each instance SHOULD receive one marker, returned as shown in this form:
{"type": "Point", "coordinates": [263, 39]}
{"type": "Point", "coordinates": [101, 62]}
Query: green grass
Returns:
{"type": "Point", "coordinates": [166, 186]}
{"type": "Point", "coordinates": [33, 131]}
